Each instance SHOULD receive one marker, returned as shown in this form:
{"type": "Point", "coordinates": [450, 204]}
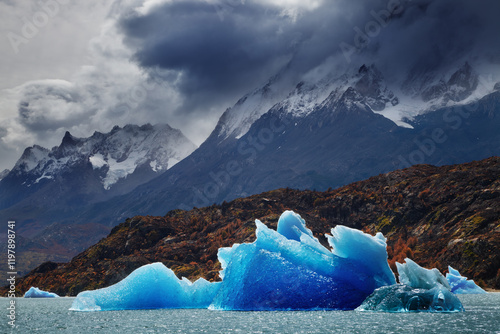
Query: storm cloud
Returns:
{"type": "Point", "coordinates": [183, 62]}
{"type": "Point", "coordinates": [216, 52]}
{"type": "Point", "coordinates": [223, 49]}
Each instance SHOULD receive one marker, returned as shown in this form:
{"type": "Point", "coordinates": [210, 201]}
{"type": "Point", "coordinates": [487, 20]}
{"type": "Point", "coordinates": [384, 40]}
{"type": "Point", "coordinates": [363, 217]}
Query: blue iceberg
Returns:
{"type": "Point", "coordinates": [460, 284]}
{"type": "Point", "coordinates": [287, 269]}
{"type": "Point", "coordinates": [417, 277]}
{"type": "Point", "coordinates": [403, 298]}
{"type": "Point", "coordinates": [37, 293]}
{"type": "Point", "coordinates": [420, 290]}
{"type": "Point", "coordinates": [152, 286]}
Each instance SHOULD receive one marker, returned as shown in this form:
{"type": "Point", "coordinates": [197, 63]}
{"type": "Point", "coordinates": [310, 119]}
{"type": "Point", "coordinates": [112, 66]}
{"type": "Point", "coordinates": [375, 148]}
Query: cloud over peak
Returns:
{"type": "Point", "coordinates": [183, 62]}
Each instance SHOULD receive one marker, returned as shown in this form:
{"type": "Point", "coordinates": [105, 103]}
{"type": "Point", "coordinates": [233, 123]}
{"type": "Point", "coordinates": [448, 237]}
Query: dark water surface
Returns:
{"type": "Point", "coordinates": [52, 316]}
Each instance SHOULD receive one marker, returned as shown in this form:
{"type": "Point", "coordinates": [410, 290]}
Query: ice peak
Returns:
{"type": "Point", "coordinates": [411, 274]}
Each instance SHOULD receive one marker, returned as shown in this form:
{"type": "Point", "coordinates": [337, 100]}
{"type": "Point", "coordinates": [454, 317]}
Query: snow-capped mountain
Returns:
{"type": "Point", "coordinates": [310, 95]}
{"type": "Point", "coordinates": [101, 166]}
{"type": "Point", "coordinates": [328, 131]}
{"type": "Point", "coordinates": [237, 120]}
{"type": "Point", "coordinates": [399, 101]}
{"type": "Point", "coordinates": [4, 173]}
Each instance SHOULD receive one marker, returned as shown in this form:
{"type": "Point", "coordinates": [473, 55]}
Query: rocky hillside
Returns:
{"type": "Point", "coordinates": [437, 216]}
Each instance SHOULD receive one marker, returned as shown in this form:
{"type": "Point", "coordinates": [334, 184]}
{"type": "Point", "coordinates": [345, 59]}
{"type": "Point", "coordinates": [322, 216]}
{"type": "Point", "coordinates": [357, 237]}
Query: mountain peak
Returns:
{"type": "Point", "coordinates": [462, 83]}
{"type": "Point", "coordinates": [350, 101]}
{"type": "Point", "coordinates": [4, 173]}
{"type": "Point", "coordinates": [363, 69]}
{"type": "Point", "coordinates": [68, 139]}
{"type": "Point", "coordinates": [113, 155]}
{"type": "Point", "coordinates": [31, 158]}
{"type": "Point", "coordinates": [351, 94]}
{"type": "Point", "coordinates": [439, 89]}
{"type": "Point", "coordinates": [237, 120]}
{"type": "Point", "coordinates": [162, 127]}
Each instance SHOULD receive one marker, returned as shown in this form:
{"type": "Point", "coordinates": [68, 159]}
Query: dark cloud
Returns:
{"type": "Point", "coordinates": [52, 105]}
{"type": "Point", "coordinates": [218, 55]}
{"type": "Point", "coordinates": [434, 35]}
{"type": "Point", "coordinates": [203, 55]}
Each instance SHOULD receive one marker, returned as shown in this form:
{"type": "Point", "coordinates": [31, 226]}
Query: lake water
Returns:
{"type": "Point", "coordinates": [52, 316]}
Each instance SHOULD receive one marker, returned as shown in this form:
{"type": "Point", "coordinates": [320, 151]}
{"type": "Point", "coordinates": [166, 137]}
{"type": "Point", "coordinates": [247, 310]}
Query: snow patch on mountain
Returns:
{"type": "Point", "coordinates": [119, 153]}
{"type": "Point", "coordinates": [237, 120]}
{"type": "Point", "coordinates": [398, 102]}
{"type": "Point", "coordinates": [44, 176]}
{"type": "Point", "coordinates": [119, 170]}
{"type": "Point", "coordinates": [97, 161]}
{"type": "Point", "coordinates": [171, 163]}
{"type": "Point", "coordinates": [307, 96]}
{"type": "Point", "coordinates": [359, 89]}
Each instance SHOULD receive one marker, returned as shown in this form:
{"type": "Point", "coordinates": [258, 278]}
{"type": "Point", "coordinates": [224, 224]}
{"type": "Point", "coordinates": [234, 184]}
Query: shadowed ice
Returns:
{"type": "Point", "coordinates": [421, 290]}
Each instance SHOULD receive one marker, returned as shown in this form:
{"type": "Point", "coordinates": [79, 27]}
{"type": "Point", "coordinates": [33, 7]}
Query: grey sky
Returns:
{"type": "Point", "coordinates": [88, 66]}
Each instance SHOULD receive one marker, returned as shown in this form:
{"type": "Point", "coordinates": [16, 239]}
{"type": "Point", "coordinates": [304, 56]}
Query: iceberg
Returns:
{"type": "Point", "coordinates": [403, 298]}
{"type": "Point", "coordinates": [420, 290]}
{"type": "Point", "coordinates": [152, 286]}
{"type": "Point", "coordinates": [287, 269]}
{"type": "Point", "coordinates": [37, 293]}
{"type": "Point", "coordinates": [415, 276]}
{"type": "Point", "coordinates": [460, 284]}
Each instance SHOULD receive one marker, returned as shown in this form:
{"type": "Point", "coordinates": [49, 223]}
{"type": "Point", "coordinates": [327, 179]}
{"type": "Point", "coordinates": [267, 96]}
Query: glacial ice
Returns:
{"type": "Point", "coordinates": [152, 286]}
{"type": "Point", "coordinates": [287, 269]}
{"type": "Point", "coordinates": [403, 298]}
{"type": "Point", "coordinates": [420, 290]}
{"type": "Point", "coordinates": [417, 277]}
{"type": "Point", "coordinates": [460, 284]}
{"type": "Point", "coordinates": [37, 293]}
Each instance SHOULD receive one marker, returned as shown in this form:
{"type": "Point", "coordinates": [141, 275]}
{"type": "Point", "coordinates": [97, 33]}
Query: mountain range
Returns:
{"type": "Point", "coordinates": [46, 186]}
{"type": "Point", "coordinates": [332, 128]}
{"type": "Point", "coordinates": [324, 134]}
